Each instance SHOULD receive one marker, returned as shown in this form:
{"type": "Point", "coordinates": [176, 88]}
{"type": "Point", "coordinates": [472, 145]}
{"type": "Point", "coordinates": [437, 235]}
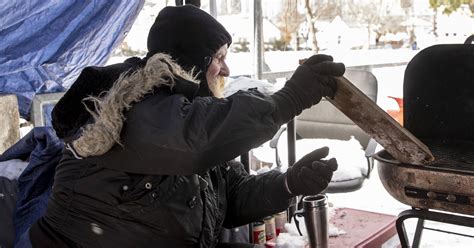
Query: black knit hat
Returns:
{"type": "Point", "coordinates": [189, 35]}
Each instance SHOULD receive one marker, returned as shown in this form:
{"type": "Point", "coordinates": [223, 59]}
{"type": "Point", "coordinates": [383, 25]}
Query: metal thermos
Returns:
{"type": "Point", "coordinates": [315, 212]}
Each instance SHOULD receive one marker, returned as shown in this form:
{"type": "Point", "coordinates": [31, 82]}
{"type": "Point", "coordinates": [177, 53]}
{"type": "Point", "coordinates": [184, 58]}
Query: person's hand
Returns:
{"type": "Point", "coordinates": [315, 78]}
{"type": "Point", "coordinates": [310, 82]}
{"type": "Point", "coordinates": [311, 174]}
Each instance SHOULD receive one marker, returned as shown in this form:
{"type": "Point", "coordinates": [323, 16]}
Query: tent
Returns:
{"type": "Point", "coordinates": [46, 43]}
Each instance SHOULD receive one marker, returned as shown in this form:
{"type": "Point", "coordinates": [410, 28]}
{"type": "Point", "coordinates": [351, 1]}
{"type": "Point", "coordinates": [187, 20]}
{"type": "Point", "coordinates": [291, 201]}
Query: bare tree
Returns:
{"type": "Point", "coordinates": [288, 21]}
{"type": "Point", "coordinates": [311, 27]}
{"type": "Point", "coordinates": [229, 7]}
{"type": "Point", "coordinates": [407, 6]}
{"type": "Point", "coordinates": [236, 7]}
{"type": "Point", "coordinates": [315, 11]}
{"type": "Point", "coordinates": [224, 8]}
{"type": "Point", "coordinates": [369, 14]}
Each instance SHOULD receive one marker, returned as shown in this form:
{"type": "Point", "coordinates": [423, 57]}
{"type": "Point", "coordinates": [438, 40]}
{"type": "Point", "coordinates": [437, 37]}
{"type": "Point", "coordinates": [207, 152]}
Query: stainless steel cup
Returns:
{"type": "Point", "coordinates": [315, 212]}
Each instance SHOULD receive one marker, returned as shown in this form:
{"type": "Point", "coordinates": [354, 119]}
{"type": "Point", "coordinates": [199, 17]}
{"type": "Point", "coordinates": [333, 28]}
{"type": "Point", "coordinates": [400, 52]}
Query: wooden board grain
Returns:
{"type": "Point", "coordinates": [398, 141]}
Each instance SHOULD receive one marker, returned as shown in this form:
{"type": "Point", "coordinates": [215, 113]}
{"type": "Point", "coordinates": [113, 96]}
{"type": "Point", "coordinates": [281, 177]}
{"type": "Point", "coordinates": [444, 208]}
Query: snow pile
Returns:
{"type": "Point", "coordinates": [245, 83]}
{"type": "Point", "coordinates": [349, 154]}
{"type": "Point", "coordinates": [291, 238]}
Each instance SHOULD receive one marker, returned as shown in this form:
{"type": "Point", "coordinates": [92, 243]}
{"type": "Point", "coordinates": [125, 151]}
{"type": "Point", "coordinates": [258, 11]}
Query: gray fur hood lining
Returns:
{"type": "Point", "coordinates": [100, 136]}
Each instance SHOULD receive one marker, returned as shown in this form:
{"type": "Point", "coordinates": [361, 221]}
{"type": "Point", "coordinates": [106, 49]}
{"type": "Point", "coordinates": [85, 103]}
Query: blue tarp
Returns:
{"type": "Point", "coordinates": [44, 44]}
{"type": "Point", "coordinates": [42, 148]}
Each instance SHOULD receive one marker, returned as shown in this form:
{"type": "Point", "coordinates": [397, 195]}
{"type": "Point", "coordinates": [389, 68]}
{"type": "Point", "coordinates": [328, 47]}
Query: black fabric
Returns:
{"type": "Point", "coordinates": [195, 134]}
{"type": "Point", "coordinates": [311, 81]}
{"type": "Point", "coordinates": [311, 174]}
{"type": "Point", "coordinates": [168, 139]}
{"type": "Point", "coordinates": [189, 35]}
{"type": "Point", "coordinates": [438, 93]}
{"type": "Point", "coordinates": [169, 214]}
{"type": "Point", "coordinates": [8, 196]}
{"type": "Point", "coordinates": [70, 114]}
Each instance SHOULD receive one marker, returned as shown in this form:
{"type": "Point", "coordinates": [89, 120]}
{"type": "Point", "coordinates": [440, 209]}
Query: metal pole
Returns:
{"type": "Point", "coordinates": [257, 38]}
{"type": "Point", "coordinates": [291, 136]}
{"type": "Point", "coordinates": [257, 52]}
{"type": "Point", "coordinates": [245, 160]}
{"type": "Point", "coordinates": [213, 8]}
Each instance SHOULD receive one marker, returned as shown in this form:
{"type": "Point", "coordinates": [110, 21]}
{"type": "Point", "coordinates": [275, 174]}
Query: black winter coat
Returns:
{"type": "Point", "coordinates": [169, 184]}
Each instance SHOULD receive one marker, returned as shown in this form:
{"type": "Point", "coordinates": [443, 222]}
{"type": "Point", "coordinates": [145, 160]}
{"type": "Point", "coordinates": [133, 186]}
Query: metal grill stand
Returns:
{"type": "Point", "coordinates": [424, 214]}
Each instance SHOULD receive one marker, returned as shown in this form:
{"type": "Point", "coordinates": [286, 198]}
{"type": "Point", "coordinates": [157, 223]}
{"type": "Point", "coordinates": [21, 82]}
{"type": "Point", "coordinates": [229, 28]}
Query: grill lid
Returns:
{"type": "Point", "coordinates": [438, 93]}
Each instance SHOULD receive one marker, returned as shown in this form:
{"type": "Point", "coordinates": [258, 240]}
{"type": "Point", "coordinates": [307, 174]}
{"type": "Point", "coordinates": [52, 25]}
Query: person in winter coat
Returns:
{"type": "Point", "coordinates": [149, 162]}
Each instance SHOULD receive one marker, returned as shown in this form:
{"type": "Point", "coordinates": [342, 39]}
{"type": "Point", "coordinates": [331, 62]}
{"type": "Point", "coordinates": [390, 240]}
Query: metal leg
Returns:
{"type": "Point", "coordinates": [424, 214]}
{"type": "Point", "coordinates": [418, 233]}
{"type": "Point", "coordinates": [245, 160]}
{"type": "Point", "coordinates": [402, 234]}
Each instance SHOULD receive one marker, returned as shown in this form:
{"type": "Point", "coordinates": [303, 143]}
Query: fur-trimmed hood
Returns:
{"type": "Point", "coordinates": [100, 136]}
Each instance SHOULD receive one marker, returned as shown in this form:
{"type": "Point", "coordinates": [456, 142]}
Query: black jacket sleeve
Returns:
{"type": "Point", "coordinates": [169, 135]}
{"type": "Point", "coordinates": [251, 198]}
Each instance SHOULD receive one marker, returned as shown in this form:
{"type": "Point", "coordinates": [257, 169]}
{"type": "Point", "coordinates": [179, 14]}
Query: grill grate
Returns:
{"type": "Point", "coordinates": [452, 155]}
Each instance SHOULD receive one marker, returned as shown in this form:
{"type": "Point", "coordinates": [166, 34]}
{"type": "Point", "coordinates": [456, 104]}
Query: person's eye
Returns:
{"type": "Point", "coordinates": [220, 59]}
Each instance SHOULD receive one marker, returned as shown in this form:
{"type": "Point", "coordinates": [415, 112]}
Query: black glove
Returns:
{"type": "Point", "coordinates": [311, 174]}
{"type": "Point", "coordinates": [310, 82]}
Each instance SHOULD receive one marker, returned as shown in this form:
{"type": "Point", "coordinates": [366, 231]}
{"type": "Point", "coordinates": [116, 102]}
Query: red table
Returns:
{"type": "Point", "coordinates": [363, 229]}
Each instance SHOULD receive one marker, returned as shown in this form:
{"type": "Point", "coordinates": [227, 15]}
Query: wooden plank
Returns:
{"type": "Point", "coordinates": [10, 122]}
{"type": "Point", "coordinates": [396, 140]}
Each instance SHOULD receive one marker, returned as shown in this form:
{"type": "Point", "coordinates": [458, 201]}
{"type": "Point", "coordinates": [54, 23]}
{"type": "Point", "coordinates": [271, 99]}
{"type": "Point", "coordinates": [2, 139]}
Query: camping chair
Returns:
{"type": "Point", "coordinates": [41, 108]}
{"type": "Point", "coordinates": [324, 125]}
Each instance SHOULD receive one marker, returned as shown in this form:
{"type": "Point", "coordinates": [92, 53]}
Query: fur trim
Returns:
{"type": "Point", "coordinates": [99, 137]}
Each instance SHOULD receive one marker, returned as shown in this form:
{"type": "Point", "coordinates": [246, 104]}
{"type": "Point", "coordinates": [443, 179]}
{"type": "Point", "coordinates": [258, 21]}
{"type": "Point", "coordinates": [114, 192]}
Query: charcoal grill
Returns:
{"type": "Point", "coordinates": [439, 110]}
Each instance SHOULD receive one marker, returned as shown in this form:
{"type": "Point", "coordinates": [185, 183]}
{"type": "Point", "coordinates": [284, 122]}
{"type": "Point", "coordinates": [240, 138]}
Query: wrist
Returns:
{"type": "Point", "coordinates": [287, 106]}
{"type": "Point", "coordinates": [283, 186]}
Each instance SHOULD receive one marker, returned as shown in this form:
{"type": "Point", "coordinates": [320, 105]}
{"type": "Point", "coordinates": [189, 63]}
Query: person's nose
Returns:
{"type": "Point", "coordinates": [224, 70]}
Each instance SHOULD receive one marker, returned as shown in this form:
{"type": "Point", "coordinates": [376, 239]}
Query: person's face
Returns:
{"type": "Point", "coordinates": [217, 71]}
